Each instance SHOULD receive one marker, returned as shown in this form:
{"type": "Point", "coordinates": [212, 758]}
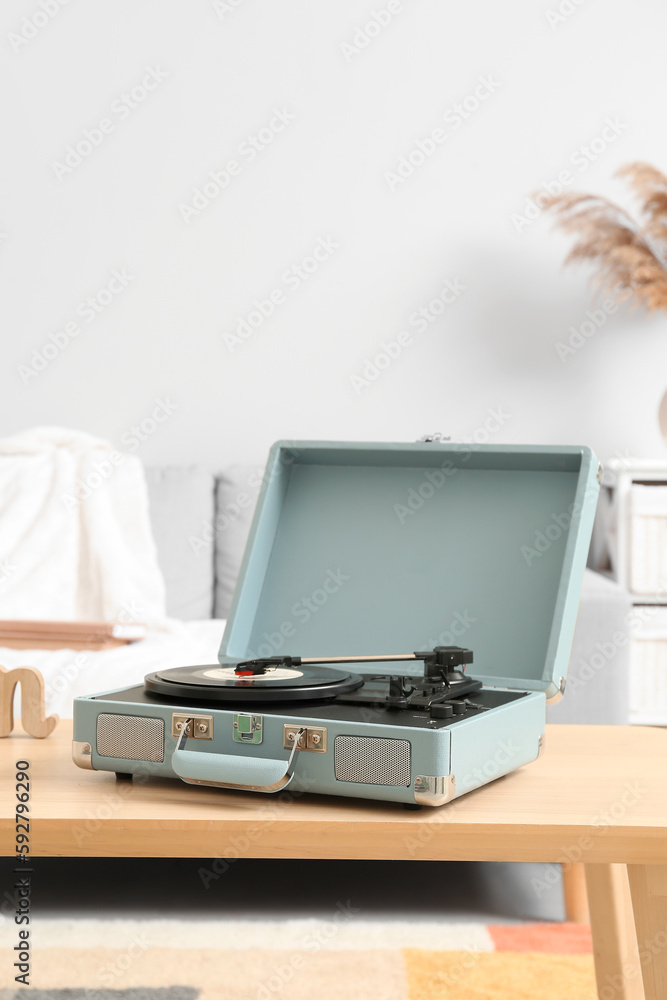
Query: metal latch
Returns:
{"type": "Point", "coordinates": [312, 738]}
{"type": "Point", "coordinates": [198, 727]}
{"type": "Point", "coordinates": [247, 728]}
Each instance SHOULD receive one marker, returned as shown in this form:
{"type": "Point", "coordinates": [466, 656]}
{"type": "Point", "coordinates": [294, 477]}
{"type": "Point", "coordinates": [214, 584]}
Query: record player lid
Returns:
{"type": "Point", "coordinates": [366, 548]}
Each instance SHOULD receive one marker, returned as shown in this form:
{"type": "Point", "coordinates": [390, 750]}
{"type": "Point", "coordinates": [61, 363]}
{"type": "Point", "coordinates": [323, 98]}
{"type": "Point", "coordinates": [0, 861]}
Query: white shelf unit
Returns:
{"type": "Point", "coordinates": [633, 511]}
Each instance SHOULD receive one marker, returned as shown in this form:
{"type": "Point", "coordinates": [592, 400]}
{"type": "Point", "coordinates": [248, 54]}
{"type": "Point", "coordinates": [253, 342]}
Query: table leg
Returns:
{"type": "Point", "coordinates": [617, 968]}
{"type": "Point", "coordinates": [648, 885]}
{"type": "Point", "coordinates": [574, 891]}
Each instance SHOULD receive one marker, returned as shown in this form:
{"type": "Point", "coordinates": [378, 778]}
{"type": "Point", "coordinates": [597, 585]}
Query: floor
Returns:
{"type": "Point", "coordinates": [189, 929]}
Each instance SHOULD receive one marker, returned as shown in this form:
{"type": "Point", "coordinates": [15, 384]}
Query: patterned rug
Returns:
{"type": "Point", "coordinates": [340, 958]}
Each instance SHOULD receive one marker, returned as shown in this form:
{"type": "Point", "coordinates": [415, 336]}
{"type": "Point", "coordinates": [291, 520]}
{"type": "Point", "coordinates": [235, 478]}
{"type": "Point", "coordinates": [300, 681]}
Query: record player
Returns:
{"type": "Point", "coordinates": [403, 612]}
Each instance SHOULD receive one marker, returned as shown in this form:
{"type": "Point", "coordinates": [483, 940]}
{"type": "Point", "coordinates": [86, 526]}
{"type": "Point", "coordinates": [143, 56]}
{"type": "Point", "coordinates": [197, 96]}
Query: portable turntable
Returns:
{"type": "Point", "coordinates": [434, 553]}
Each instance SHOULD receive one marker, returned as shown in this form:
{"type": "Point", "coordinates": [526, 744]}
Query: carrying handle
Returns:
{"type": "Point", "coordinates": [221, 770]}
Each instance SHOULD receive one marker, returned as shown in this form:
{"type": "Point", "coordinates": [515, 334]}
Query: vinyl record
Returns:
{"type": "Point", "coordinates": [215, 682]}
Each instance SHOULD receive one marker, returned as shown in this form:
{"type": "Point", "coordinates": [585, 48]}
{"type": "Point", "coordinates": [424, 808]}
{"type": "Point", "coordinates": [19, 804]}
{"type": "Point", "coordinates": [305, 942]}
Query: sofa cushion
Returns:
{"type": "Point", "coordinates": [237, 489]}
{"type": "Point", "coordinates": [181, 500]}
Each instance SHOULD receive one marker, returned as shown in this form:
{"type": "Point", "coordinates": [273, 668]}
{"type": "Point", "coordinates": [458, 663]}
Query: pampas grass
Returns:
{"type": "Point", "coordinates": [630, 254]}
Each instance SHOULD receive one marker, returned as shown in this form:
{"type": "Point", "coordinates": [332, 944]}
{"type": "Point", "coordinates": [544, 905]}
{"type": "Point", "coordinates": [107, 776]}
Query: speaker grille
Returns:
{"type": "Point", "coordinates": [131, 737]}
{"type": "Point", "coordinates": [372, 760]}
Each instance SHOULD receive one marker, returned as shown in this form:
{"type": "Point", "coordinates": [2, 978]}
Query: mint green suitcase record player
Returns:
{"type": "Point", "coordinates": [402, 615]}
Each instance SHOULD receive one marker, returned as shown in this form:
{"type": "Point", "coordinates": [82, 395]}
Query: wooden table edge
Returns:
{"type": "Point", "coordinates": [414, 840]}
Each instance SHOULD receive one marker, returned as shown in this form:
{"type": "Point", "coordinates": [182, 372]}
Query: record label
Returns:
{"type": "Point", "coordinates": [229, 674]}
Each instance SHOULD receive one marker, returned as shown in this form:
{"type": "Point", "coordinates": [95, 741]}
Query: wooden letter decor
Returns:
{"type": "Point", "coordinates": [33, 708]}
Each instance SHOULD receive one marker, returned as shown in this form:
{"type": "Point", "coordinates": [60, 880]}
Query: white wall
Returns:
{"type": "Point", "coordinates": [228, 65]}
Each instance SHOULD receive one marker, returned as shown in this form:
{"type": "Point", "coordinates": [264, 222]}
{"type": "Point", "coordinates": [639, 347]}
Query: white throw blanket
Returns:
{"type": "Point", "coordinates": [75, 533]}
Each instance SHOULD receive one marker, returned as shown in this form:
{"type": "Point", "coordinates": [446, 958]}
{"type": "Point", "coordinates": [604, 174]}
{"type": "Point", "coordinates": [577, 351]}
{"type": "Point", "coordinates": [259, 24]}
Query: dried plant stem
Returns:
{"type": "Point", "coordinates": [630, 255]}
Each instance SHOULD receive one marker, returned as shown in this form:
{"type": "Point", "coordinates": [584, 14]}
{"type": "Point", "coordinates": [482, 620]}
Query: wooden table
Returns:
{"type": "Point", "coordinates": [598, 795]}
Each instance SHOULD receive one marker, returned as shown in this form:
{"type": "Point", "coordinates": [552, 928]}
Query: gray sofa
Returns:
{"type": "Point", "coordinates": [201, 522]}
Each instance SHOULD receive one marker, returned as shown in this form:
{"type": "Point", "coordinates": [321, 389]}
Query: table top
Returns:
{"type": "Point", "coordinates": [597, 794]}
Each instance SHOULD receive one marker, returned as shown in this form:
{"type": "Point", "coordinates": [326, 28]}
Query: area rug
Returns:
{"type": "Point", "coordinates": [339, 958]}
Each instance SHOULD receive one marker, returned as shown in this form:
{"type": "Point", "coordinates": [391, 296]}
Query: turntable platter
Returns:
{"type": "Point", "coordinates": [214, 682]}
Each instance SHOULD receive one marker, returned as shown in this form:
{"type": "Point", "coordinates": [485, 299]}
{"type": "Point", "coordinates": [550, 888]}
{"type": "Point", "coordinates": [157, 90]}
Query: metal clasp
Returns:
{"type": "Point", "coordinates": [247, 728]}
